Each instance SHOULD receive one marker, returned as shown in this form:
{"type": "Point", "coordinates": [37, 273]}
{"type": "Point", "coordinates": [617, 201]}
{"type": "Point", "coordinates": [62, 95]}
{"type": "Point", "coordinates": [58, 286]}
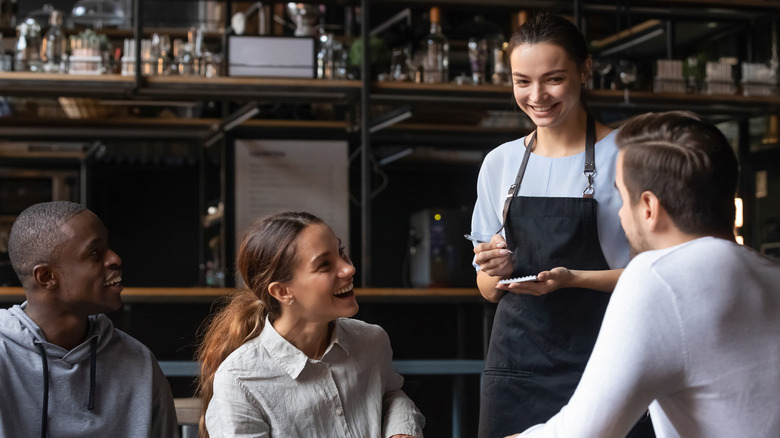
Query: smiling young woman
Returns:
{"type": "Point", "coordinates": [284, 359]}
{"type": "Point", "coordinates": [546, 206]}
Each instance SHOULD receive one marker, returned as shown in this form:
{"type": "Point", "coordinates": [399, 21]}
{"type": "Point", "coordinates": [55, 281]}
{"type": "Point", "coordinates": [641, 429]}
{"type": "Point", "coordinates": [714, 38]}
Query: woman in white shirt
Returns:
{"type": "Point", "coordinates": [282, 359]}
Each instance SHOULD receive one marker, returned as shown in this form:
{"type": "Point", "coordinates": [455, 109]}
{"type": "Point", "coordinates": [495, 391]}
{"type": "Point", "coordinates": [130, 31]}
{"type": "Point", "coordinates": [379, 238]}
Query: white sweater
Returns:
{"type": "Point", "coordinates": [693, 332]}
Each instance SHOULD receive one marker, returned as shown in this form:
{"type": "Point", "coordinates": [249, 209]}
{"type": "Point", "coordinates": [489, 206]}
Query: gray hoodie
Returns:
{"type": "Point", "coordinates": [109, 386]}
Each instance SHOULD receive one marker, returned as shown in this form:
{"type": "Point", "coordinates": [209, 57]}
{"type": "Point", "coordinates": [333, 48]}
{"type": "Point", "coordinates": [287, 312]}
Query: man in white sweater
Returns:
{"type": "Point", "coordinates": [693, 327]}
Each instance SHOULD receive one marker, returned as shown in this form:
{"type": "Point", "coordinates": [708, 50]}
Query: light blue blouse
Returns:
{"type": "Point", "coordinates": [552, 177]}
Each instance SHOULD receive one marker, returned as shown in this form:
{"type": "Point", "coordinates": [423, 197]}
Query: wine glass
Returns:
{"type": "Point", "coordinates": [477, 58]}
{"type": "Point", "coordinates": [602, 67]}
{"type": "Point", "coordinates": [627, 73]}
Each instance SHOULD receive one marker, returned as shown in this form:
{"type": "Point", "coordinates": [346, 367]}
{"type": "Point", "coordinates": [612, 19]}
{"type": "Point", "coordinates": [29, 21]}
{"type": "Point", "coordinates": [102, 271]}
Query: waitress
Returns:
{"type": "Point", "coordinates": [547, 206]}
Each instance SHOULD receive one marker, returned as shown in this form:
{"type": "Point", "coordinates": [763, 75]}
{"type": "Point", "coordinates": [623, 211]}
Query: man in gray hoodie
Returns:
{"type": "Point", "coordinates": [64, 369]}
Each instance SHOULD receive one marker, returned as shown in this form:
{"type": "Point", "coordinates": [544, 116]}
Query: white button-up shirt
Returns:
{"type": "Point", "coordinates": [267, 387]}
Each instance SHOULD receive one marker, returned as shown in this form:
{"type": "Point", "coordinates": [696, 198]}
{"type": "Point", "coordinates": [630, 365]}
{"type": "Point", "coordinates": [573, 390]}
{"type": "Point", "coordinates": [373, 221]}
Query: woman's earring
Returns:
{"type": "Point", "coordinates": [292, 300]}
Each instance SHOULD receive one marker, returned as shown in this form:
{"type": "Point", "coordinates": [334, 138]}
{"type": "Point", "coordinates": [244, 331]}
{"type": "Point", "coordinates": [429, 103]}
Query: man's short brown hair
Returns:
{"type": "Point", "coordinates": [689, 166]}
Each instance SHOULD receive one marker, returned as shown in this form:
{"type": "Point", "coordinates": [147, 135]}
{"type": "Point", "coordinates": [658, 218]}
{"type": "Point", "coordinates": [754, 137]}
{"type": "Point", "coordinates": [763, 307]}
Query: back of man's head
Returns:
{"type": "Point", "coordinates": [689, 166]}
{"type": "Point", "coordinates": [36, 235]}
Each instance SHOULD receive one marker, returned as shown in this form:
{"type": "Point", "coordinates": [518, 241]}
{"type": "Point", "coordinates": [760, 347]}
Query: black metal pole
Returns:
{"type": "Point", "coordinates": [202, 211]}
{"type": "Point", "coordinates": [578, 15]}
{"type": "Point", "coordinates": [365, 161]}
{"type": "Point", "coordinates": [138, 35]}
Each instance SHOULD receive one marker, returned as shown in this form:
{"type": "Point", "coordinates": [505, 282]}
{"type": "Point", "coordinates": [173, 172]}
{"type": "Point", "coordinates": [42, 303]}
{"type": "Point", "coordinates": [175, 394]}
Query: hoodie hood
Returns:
{"type": "Point", "coordinates": [19, 328]}
{"type": "Point", "coordinates": [23, 331]}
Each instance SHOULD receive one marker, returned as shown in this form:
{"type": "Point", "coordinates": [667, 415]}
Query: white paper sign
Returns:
{"type": "Point", "coordinates": [296, 175]}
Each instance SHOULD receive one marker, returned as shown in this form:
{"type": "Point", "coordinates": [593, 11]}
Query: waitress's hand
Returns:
{"type": "Point", "coordinates": [493, 257]}
{"type": "Point", "coordinates": [548, 281]}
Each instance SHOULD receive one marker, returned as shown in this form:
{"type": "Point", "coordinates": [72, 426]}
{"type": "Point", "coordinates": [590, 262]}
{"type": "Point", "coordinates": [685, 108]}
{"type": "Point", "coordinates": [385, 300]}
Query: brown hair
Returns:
{"type": "Point", "coordinates": [545, 27]}
{"type": "Point", "coordinates": [551, 29]}
{"type": "Point", "coordinates": [267, 254]}
{"type": "Point", "coordinates": [689, 166]}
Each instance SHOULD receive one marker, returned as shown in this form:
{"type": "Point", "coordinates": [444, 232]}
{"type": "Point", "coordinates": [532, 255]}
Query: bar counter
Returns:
{"type": "Point", "coordinates": [197, 294]}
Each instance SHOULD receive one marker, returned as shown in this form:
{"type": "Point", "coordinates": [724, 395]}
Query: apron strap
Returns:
{"type": "Point", "coordinates": [590, 156]}
{"type": "Point", "coordinates": [589, 170]}
{"type": "Point", "coordinates": [514, 188]}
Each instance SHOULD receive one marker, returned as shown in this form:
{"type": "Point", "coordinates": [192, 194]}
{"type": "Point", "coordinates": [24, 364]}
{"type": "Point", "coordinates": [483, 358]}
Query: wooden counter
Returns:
{"type": "Point", "coordinates": [152, 295]}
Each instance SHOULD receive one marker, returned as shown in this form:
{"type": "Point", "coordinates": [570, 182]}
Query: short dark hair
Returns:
{"type": "Point", "coordinates": [36, 235]}
{"type": "Point", "coordinates": [687, 163]}
{"type": "Point", "coordinates": [552, 29]}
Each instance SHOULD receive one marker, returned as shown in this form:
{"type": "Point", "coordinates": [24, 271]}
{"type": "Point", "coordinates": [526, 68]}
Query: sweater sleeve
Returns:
{"type": "Point", "coordinates": [639, 356]}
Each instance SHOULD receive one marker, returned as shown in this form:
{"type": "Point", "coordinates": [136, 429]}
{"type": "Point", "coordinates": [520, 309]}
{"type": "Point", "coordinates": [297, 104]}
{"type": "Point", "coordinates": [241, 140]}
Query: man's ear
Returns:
{"type": "Point", "coordinates": [280, 291]}
{"type": "Point", "coordinates": [653, 213]}
{"type": "Point", "coordinates": [43, 276]}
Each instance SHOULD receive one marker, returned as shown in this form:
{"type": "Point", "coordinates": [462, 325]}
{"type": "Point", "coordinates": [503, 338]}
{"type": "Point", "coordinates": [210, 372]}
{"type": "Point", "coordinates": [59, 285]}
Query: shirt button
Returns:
{"type": "Point", "coordinates": [339, 411]}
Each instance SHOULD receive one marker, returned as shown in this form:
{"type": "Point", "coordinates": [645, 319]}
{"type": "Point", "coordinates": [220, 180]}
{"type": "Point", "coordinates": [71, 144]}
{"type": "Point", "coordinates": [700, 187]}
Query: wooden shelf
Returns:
{"type": "Point", "coordinates": [499, 97]}
{"type": "Point", "coordinates": [388, 86]}
{"type": "Point", "coordinates": [21, 128]}
{"type": "Point", "coordinates": [54, 85]}
{"type": "Point", "coordinates": [151, 122]}
{"type": "Point", "coordinates": [305, 90]}
{"type": "Point", "coordinates": [491, 96]}
{"type": "Point", "coordinates": [724, 106]}
{"type": "Point", "coordinates": [340, 91]}
{"type": "Point", "coordinates": [184, 295]}
{"type": "Point", "coordinates": [177, 87]}
{"type": "Point", "coordinates": [723, 4]}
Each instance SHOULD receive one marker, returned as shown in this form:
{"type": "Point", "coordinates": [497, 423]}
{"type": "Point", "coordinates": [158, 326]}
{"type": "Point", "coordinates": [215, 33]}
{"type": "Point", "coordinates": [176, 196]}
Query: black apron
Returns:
{"type": "Point", "coordinates": [539, 346]}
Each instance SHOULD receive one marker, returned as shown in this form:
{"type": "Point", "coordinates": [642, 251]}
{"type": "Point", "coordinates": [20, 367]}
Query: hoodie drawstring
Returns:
{"type": "Point", "coordinates": [45, 413]}
{"type": "Point", "coordinates": [92, 372]}
{"type": "Point", "coordinates": [92, 379]}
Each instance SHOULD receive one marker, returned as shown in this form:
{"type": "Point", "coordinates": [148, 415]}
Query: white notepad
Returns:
{"type": "Point", "coordinates": [519, 279]}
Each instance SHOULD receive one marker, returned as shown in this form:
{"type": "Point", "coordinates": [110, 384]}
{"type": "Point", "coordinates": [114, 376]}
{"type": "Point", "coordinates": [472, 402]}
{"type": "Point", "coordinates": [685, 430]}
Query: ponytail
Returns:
{"type": "Point", "coordinates": [240, 320]}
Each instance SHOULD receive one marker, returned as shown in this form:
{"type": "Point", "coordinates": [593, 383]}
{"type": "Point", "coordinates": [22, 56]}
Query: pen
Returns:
{"type": "Point", "coordinates": [474, 239]}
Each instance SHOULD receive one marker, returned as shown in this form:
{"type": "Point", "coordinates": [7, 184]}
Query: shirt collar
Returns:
{"type": "Point", "coordinates": [291, 359]}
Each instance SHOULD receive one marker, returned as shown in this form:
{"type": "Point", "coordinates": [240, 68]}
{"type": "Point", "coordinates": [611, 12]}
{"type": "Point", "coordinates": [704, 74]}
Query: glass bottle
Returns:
{"type": "Point", "coordinates": [186, 61]}
{"type": "Point", "coordinates": [436, 52]}
{"type": "Point", "coordinates": [6, 60]}
{"type": "Point", "coordinates": [325, 56]}
{"type": "Point", "coordinates": [27, 56]}
{"type": "Point", "coordinates": [477, 58]}
{"type": "Point", "coordinates": [163, 54]}
{"type": "Point", "coordinates": [53, 44]}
